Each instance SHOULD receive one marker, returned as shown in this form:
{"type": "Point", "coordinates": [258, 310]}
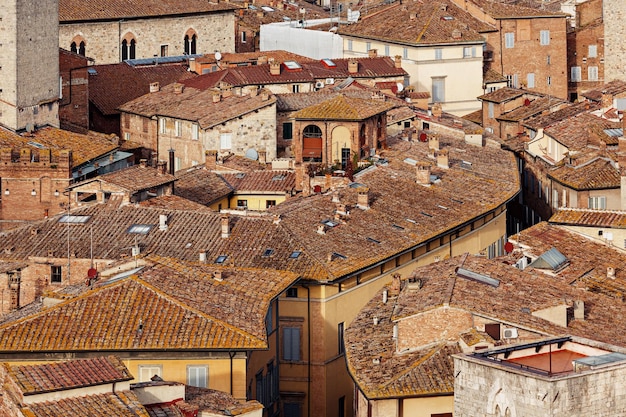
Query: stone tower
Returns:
{"type": "Point", "coordinates": [614, 12]}
{"type": "Point", "coordinates": [29, 63]}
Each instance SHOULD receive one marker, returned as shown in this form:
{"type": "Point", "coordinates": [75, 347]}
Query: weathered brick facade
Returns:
{"type": "Point", "coordinates": [158, 36]}
{"type": "Point", "coordinates": [74, 103]}
{"type": "Point", "coordinates": [614, 12]}
{"type": "Point", "coordinates": [32, 29]}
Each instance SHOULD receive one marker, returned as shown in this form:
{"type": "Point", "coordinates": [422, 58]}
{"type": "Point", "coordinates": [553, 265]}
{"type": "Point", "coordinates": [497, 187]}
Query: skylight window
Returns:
{"type": "Point", "coordinates": [268, 252]}
{"type": "Point", "coordinates": [338, 255]}
{"type": "Point", "coordinates": [35, 144]}
{"type": "Point", "coordinates": [426, 214]}
{"type": "Point", "coordinates": [295, 254]}
{"type": "Point", "coordinates": [267, 9]}
{"type": "Point", "coordinates": [328, 63]}
{"type": "Point", "coordinates": [466, 165]}
{"type": "Point", "coordinates": [397, 226]}
{"type": "Point", "coordinates": [442, 207]}
{"type": "Point", "coordinates": [278, 178]}
{"type": "Point", "coordinates": [329, 223]}
{"type": "Point", "coordinates": [292, 65]}
{"type": "Point", "coordinates": [221, 259]}
{"type": "Point", "coordinates": [457, 201]}
{"type": "Point", "coordinates": [139, 229]}
{"type": "Point", "coordinates": [411, 221]}
{"type": "Point", "coordinates": [92, 71]}
{"type": "Point", "coordinates": [240, 175]}
{"type": "Point", "coordinates": [72, 219]}
{"type": "Point", "coordinates": [371, 239]}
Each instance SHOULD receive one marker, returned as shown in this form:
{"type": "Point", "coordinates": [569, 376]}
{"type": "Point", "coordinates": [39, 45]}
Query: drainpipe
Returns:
{"type": "Point", "coordinates": [231, 355]}
{"type": "Point", "coordinates": [308, 312]}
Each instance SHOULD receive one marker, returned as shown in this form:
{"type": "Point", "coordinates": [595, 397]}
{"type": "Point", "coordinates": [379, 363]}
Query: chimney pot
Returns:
{"type": "Point", "coordinates": [363, 197]}
{"type": "Point", "coordinates": [353, 66]}
{"type": "Point", "coordinates": [443, 159]}
{"type": "Point", "coordinates": [178, 88]}
{"type": "Point", "coordinates": [372, 53]}
{"type": "Point", "coordinates": [422, 174]}
{"type": "Point", "coordinates": [154, 87]}
{"type": "Point", "coordinates": [398, 61]}
{"type": "Point", "coordinates": [225, 226]}
{"type": "Point", "coordinates": [274, 68]}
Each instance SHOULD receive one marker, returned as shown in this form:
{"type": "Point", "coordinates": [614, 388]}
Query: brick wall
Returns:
{"type": "Point", "coordinates": [74, 104]}
{"type": "Point", "coordinates": [215, 31]}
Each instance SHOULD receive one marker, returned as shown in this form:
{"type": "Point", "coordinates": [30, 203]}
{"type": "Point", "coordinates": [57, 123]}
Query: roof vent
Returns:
{"type": "Point", "coordinates": [154, 87]}
{"type": "Point", "coordinates": [163, 222]}
{"type": "Point", "coordinates": [202, 257]}
{"type": "Point", "coordinates": [217, 275]}
{"type": "Point", "coordinates": [610, 272]}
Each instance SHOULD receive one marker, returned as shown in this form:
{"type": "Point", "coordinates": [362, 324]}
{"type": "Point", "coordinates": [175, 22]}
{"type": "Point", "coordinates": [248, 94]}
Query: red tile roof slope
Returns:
{"type": "Point", "coordinates": [201, 186]}
{"type": "Point", "coordinates": [78, 10]}
{"type": "Point", "coordinates": [545, 120]}
{"type": "Point", "coordinates": [116, 84]}
{"type": "Point", "coordinates": [612, 87]}
{"type": "Point", "coordinates": [502, 95]}
{"type": "Point", "coordinates": [114, 404]}
{"type": "Point", "coordinates": [137, 178]}
{"type": "Point", "coordinates": [218, 402]}
{"type": "Point", "coordinates": [419, 23]}
{"type": "Point", "coordinates": [589, 217]}
{"type": "Point", "coordinates": [581, 130]}
{"type": "Point", "coordinates": [501, 10]}
{"type": "Point", "coordinates": [57, 376]}
{"type": "Point", "coordinates": [534, 108]}
{"type": "Point", "coordinates": [262, 181]}
{"type": "Point", "coordinates": [342, 107]}
{"type": "Point", "coordinates": [597, 174]}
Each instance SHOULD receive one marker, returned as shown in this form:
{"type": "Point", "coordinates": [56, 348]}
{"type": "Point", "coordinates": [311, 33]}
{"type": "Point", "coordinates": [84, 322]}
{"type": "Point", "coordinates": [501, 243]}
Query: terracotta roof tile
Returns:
{"type": "Point", "coordinates": [534, 108]}
{"type": "Point", "coordinates": [115, 84]}
{"type": "Point", "coordinates": [598, 174]}
{"type": "Point", "coordinates": [167, 102]}
{"type": "Point", "coordinates": [432, 22]}
{"type": "Point", "coordinates": [299, 101]}
{"type": "Point", "coordinates": [262, 181]}
{"type": "Point", "coordinates": [201, 185]}
{"type": "Point", "coordinates": [75, 10]}
{"type": "Point", "coordinates": [83, 147]}
{"type": "Point", "coordinates": [581, 130]}
{"type": "Point", "coordinates": [612, 87]}
{"type": "Point", "coordinates": [343, 107]}
{"type": "Point", "coordinates": [502, 95]}
{"type": "Point", "coordinates": [547, 119]}
{"type": "Point", "coordinates": [136, 178]}
{"type": "Point", "coordinates": [114, 404]}
{"type": "Point", "coordinates": [173, 202]}
{"type": "Point", "coordinates": [589, 217]}
{"type": "Point", "coordinates": [500, 10]}
{"type": "Point", "coordinates": [218, 402]}
{"type": "Point", "coordinates": [57, 376]}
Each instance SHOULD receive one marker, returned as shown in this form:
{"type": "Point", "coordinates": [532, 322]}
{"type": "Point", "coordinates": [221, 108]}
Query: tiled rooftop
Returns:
{"type": "Point", "coordinates": [218, 402]}
{"type": "Point", "coordinates": [115, 84]}
{"type": "Point", "coordinates": [136, 178]}
{"type": "Point", "coordinates": [299, 101]}
{"type": "Point", "coordinates": [597, 174]}
{"type": "Point", "coordinates": [170, 305]}
{"type": "Point", "coordinates": [310, 71]}
{"type": "Point", "coordinates": [173, 202]}
{"type": "Point", "coordinates": [342, 107]}
{"type": "Point", "coordinates": [419, 23]}
{"type": "Point", "coordinates": [78, 10]}
{"type": "Point", "coordinates": [114, 404]}
{"type": "Point", "coordinates": [502, 95]}
{"type": "Point", "coordinates": [426, 369]}
{"type": "Point", "coordinates": [547, 119]}
{"type": "Point", "coordinates": [57, 376]}
{"type": "Point", "coordinates": [83, 147]}
{"type": "Point", "coordinates": [589, 217]}
{"type": "Point", "coordinates": [581, 130]}
{"type": "Point", "coordinates": [501, 10]}
{"type": "Point", "coordinates": [613, 87]}
{"type": "Point", "coordinates": [201, 186]}
{"type": "Point", "coordinates": [262, 181]}
{"type": "Point", "coordinates": [184, 105]}
{"type": "Point", "coordinates": [535, 107]}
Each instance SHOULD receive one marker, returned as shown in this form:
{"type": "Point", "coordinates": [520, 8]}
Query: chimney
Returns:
{"type": "Point", "coordinates": [433, 142]}
{"type": "Point", "coordinates": [579, 310]}
{"type": "Point", "coordinates": [265, 95]}
{"type": "Point", "coordinates": [607, 100]}
{"type": "Point", "coordinates": [154, 87]}
{"type": "Point", "coordinates": [163, 222]}
{"type": "Point", "coordinates": [275, 68]}
{"type": "Point", "coordinates": [398, 61]}
{"type": "Point", "coordinates": [328, 181]}
{"type": "Point", "coordinates": [442, 159]}
{"type": "Point", "coordinates": [217, 97]}
{"type": "Point", "coordinates": [254, 91]}
{"type": "Point", "coordinates": [262, 157]}
{"type": "Point", "coordinates": [217, 275]}
{"type": "Point", "coordinates": [395, 284]}
{"type": "Point", "coordinates": [436, 109]}
{"type": "Point", "coordinates": [299, 173]}
{"type": "Point", "coordinates": [372, 53]}
{"type": "Point", "coordinates": [261, 60]}
{"type": "Point", "coordinates": [202, 257]}
{"type": "Point", "coordinates": [276, 218]}
{"type": "Point", "coordinates": [363, 198]}
{"type": "Point", "coordinates": [353, 66]}
{"type": "Point", "coordinates": [422, 174]}
{"type": "Point", "coordinates": [225, 226]}
{"type": "Point", "coordinates": [413, 16]}
{"type": "Point", "coordinates": [321, 230]}
{"type": "Point", "coordinates": [178, 88]}
{"type": "Point", "coordinates": [210, 160]}
{"type": "Point", "coordinates": [610, 272]}
{"type": "Point", "coordinates": [336, 197]}
{"type": "Point", "coordinates": [456, 34]}
{"type": "Point", "coordinates": [192, 64]}
{"type": "Point", "coordinates": [161, 167]}
{"type": "Point", "coordinates": [143, 162]}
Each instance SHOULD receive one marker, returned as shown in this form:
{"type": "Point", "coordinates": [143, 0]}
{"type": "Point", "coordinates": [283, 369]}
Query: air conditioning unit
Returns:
{"type": "Point", "coordinates": [330, 81]}
{"type": "Point", "coordinates": [510, 333]}
{"type": "Point", "coordinates": [319, 84]}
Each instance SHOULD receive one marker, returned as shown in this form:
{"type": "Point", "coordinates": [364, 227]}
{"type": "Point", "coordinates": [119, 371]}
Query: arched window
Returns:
{"type": "Point", "coordinates": [190, 43]}
{"type": "Point", "coordinates": [73, 48]}
{"type": "Point", "coordinates": [362, 142]}
{"type": "Point", "coordinates": [128, 47]}
{"type": "Point", "coordinates": [312, 131]}
{"type": "Point", "coordinates": [312, 143]}
{"type": "Point", "coordinates": [78, 45]}
{"type": "Point", "coordinates": [81, 49]}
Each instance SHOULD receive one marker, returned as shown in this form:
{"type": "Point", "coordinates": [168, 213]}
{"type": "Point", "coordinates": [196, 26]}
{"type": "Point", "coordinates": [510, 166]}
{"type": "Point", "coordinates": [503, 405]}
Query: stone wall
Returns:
{"type": "Point", "coordinates": [484, 388]}
{"type": "Point", "coordinates": [215, 32]}
{"type": "Point", "coordinates": [614, 46]}
{"type": "Point", "coordinates": [74, 103]}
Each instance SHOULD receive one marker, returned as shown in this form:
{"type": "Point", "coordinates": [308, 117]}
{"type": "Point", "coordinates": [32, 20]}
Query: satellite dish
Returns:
{"type": "Point", "coordinates": [218, 55]}
{"type": "Point", "coordinates": [400, 86]}
{"type": "Point", "coordinates": [252, 154]}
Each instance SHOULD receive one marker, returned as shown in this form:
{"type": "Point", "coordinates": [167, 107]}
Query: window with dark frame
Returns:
{"type": "Point", "coordinates": [56, 273]}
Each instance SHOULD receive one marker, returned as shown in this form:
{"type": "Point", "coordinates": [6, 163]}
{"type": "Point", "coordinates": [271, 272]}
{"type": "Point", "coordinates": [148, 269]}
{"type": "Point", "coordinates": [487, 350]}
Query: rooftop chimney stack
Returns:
{"type": "Point", "coordinates": [579, 310]}
{"type": "Point", "coordinates": [143, 162]}
{"type": "Point", "coordinates": [396, 284]}
{"type": "Point", "coordinates": [422, 174]}
{"type": "Point", "coordinates": [373, 53]}
{"type": "Point", "coordinates": [225, 226]}
{"type": "Point", "coordinates": [210, 160]}
{"type": "Point", "coordinates": [217, 97]}
{"type": "Point", "coordinates": [442, 159]}
{"type": "Point", "coordinates": [433, 142]}
{"type": "Point", "coordinates": [437, 110]}
{"type": "Point", "coordinates": [163, 222]}
{"type": "Point", "coordinates": [178, 88]}
{"type": "Point", "coordinates": [262, 157]}
{"type": "Point", "coordinates": [154, 87]}
{"type": "Point", "coordinates": [275, 68]}
{"type": "Point", "coordinates": [398, 61]}
{"type": "Point", "coordinates": [161, 168]}
{"type": "Point", "coordinates": [610, 272]}
{"type": "Point", "coordinates": [363, 198]}
{"type": "Point", "coordinates": [353, 66]}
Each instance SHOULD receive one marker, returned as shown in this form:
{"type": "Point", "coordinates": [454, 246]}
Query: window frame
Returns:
{"type": "Point", "coordinates": [195, 131]}
{"type": "Point", "coordinates": [203, 367]}
{"type": "Point", "coordinates": [56, 274]}
{"type": "Point", "coordinates": [291, 344]}
{"type": "Point", "coordinates": [592, 73]}
{"type": "Point", "coordinates": [438, 54]}
{"type": "Point", "coordinates": [141, 369]}
{"type": "Point", "coordinates": [530, 80]}
{"type": "Point", "coordinates": [178, 128]}
{"type": "Point", "coordinates": [438, 97]}
{"type": "Point", "coordinates": [544, 37]}
{"type": "Point", "coordinates": [576, 74]}
{"type": "Point", "coordinates": [592, 51]}
{"type": "Point", "coordinates": [509, 40]}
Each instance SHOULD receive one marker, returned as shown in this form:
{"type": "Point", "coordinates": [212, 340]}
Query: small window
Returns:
{"type": "Point", "coordinates": [597, 203]}
{"type": "Point", "coordinates": [295, 88]}
{"type": "Point", "coordinates": [544, 37]}
{"type": "Point", "coordinates": [592, 73]}
{"type": "Point", "coordinates": [549, 80]}
{"type": "Point", "coordinates": [55, 273]}
{"type": "Point", "coordinates": [162, 126]}
{"type": "Point", "coordinates": [349, 44]}
{"type": "Point", "coordinates": [295, 254]}
{"type": "Point", "coordinates": [146, 372]}
{"type": "Point", "coordinates": [575, 74]}
{"type": "Point", "coordinates": [270, 203]}
{"type": "Point", "coordinates": [243, 37]}
{"type": "Point", "coordinates": [490, 110]}
{"type": "Point", "coordinates": [268, 252]}
{"type": "Point", "coordinates": [593, 51]}
{"type": "Point", "coordinates": [242, 204]}
{"type": "Point", "coordinates": [386, 50]}
{"type": "Point", "coordinates": [548, 59]}
{"type": "Point", "coordinates": [530, 80]}
{"type": "Point", "coordinates": [195, 131]}
{"type": "Point", "coordinates": [163, 50]}
{"type": "Point", "coordinates": [292, 292]}
{"type": "Point", "coordinates": [178, 126]}
{"type": "Point", "coordinates": [467, 52]}
{"type": "Point", "coordinates": [368, 46]}
{"type": "Point", "coordinates": [221, 259]}
{"type": "Point", "coordinates": [291, 344]}
{"type": "Point", "coordinates": [340, 344]}
{"type": "Point", "coordinates": [509, 40]}
{"type": "Point", "coordinates": [197, 376]}
{"type": "Point", "coordinates": [438, 54]}
{"type": "Point", "coordinates": [288, 131]}
{"type": "Point", "coordinates": [405, 53]}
